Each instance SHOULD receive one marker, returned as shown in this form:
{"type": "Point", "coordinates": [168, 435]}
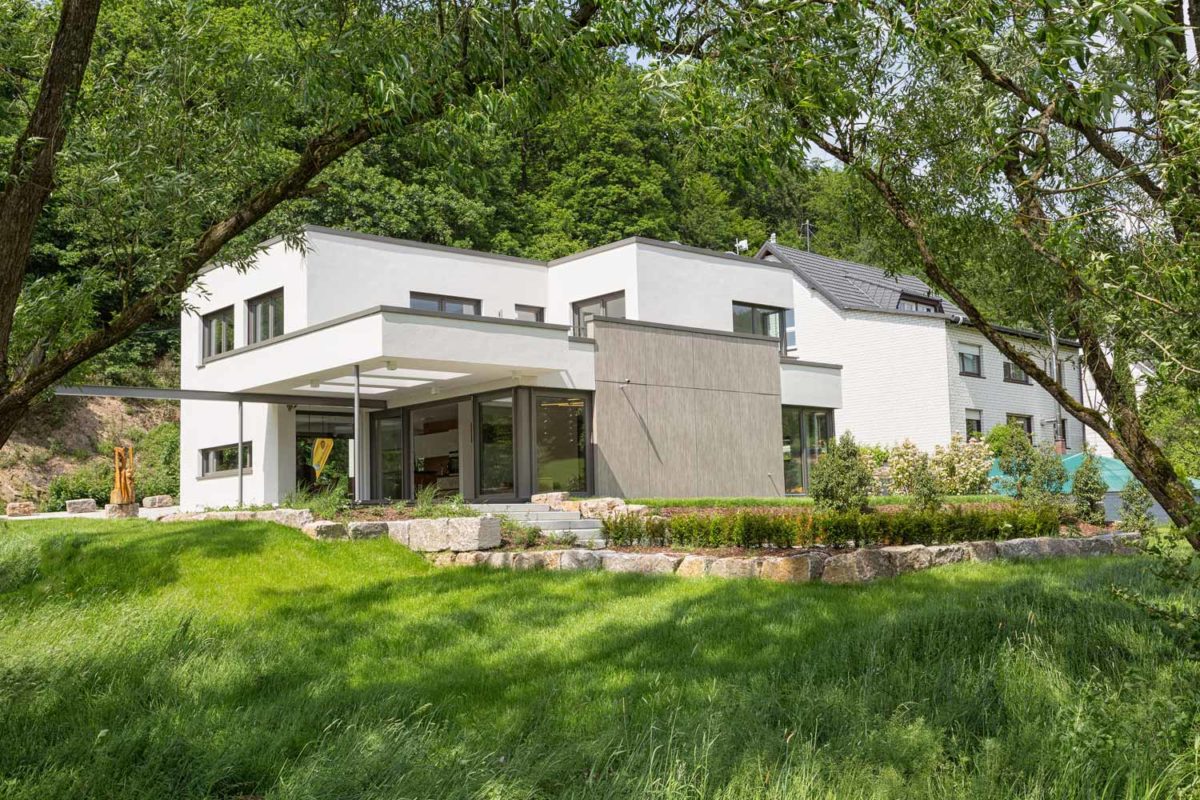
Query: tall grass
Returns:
{"type": "Point", "coordinates": [146, 660]}
{"type": "Point", "coordinates": [777, 502]}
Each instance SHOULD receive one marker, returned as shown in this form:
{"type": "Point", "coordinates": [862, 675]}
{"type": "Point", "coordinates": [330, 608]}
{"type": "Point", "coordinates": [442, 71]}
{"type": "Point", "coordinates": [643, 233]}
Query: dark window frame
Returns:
{"type": "Point", "coordinates": [578, 325]}
{"type": "Point", "coordinates": [978, 432]}
{"type": "Point", "coordinates": [978, 356]}
{"type": "Point", "coordinates": [755, 310]}
{"type": "Point", "coordinates": [1026, 421]}
{"type": "Point", "coordinates": [247, 459]}
{"type": "Point", "coordinates": [252, 311]}
{"type": "Point", "coordinates": [477, 445]}
{"type": "Point", "coordinates": [206, 349]}
{"type": "Point", "coordinates": [535, 393]}
{"type": "Point", "coordinates": [1009, 368]}
{"type": "Point", "coordinates": [539, 312]}
{"type": "Point", "coordinates": [442, 299]}
{"type": "Point", "coordinates": [923, 305]}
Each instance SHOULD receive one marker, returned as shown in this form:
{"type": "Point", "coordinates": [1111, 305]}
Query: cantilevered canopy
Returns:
{"type": "Point", "coordinates": [153, 393]}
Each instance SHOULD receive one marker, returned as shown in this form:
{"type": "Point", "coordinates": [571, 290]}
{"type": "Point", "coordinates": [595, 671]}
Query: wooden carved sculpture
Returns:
{"type": "Point", "coordinates": [122, 493]}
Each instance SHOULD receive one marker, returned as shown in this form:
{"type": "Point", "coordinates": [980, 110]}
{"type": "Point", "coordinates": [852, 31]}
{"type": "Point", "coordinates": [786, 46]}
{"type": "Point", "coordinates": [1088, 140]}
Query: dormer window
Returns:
{"type": "Point", "coordinates": [920, 305]}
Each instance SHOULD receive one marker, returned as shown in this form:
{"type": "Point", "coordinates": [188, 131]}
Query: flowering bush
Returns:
{"type": "Point", "coordinates": [962, 467]}
{"type": "Point", "coordinates": [905, 462]}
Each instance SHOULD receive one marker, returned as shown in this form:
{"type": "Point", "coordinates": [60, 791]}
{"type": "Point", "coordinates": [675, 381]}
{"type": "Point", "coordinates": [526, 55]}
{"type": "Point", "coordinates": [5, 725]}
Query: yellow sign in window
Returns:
{"type": "Point", "coordinates": [321, 450]}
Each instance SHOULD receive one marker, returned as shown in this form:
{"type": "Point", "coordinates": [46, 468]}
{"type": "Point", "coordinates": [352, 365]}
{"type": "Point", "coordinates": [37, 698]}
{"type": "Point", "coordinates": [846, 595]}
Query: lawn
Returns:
{"type": "Point", "coordinates": [144, 660]}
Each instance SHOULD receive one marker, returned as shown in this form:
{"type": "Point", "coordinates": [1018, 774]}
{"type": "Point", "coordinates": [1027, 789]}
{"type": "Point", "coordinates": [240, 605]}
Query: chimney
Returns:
{"type": "Point", "coordinates": [772, 237]}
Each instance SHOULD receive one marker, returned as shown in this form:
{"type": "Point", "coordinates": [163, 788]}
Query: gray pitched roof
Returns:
{"type": "Point", "coordinates": [855, 286]}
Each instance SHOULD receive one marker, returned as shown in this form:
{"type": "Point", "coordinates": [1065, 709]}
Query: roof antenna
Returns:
{"type": "Point", "coordinates": [772, 237]}
{"type": "Point", "coordinates": [741, 246]}
{"type": "Point", "coordinates": [807, 236]}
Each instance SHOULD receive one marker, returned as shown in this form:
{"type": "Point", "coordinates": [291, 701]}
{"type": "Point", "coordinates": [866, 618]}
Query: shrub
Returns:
{"type": "Point", "coordinates": [623, 529]}
{"type": "Point", "coordinates": [927, 495]}
{"type": "Point", "coordinates": [1043, 485]}
{"type": "Point", "coordinates": [93, 479]}
{"type": "Point", "coordinates": [156, 461]}
{"type": "Point", "coordinates": [429, 506]}
{"type": "Point", "coordinates": [962, 467]}
{"type": "Point", "coordinates": [1088, 491]}
{"type": "Point", "coordinates": [519, 534]}
{"type": "Point", "coordinates": [903, 462]}
{"type": "Point", "coordinates": [840, 480]}
{"type": "Point", "coordinates": [324, 503]}
{"type": "Point", "coordinates": [1135, 509]}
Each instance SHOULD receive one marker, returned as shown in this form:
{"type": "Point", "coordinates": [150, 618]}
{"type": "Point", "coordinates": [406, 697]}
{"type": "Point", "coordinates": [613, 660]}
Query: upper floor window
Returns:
{"type": "Point", "coordinates": [444, 303]}
{"type": "Point", "coordinates": [919, 304]}
{"type": "Point", "coordinates": [609, 305]}
{"type": "Point", "coordinates": [974, 423]}
{"type": "Point", "coordinates": [1014, 374]}
{"type": "Point", "coordinates": [531, 313]}
{"type": "Point", "coordinates": [1023, 421]}
{"type": "Point", "coordinates": [224, 459]}
{"type": "Point", "coordinates": [970, 360]}
{"type": "Point", "coordinates": [1050, 369]}
{"type": "Point", "coordinates": [764, 321]}
{"type": "Point", "coordinates": [264, 317]}
{"type": "Point", "coordinates": [217, 330]}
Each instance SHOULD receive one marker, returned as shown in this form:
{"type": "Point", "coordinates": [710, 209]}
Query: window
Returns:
{"type": "Point", "coordinates": [443, 303]}
{"type": "Point", "coordinates": [560, 442]}
{"type": "Point", "coordinates": [223, 459]}
{"type": "Point", "coordinates": [531, 313]}
{"type": "Point", "coordinates": [1060, 430]}
{"type": "Point", "coordinates": [806, 435]}
{"type": "Point", "coordinates": [1014, 374]}
{"type": "Point", "coordinates": [264, 317]}
{"type": "Point", "coordinates": [217, 329]}
{"type": "Point", "coordinates": [970, 360]}
{"type": "Point", "coordinates": [974, 424]}
{"type": "Point", "coordinates": [1023, 421]}
{"type": "Point", "coordinates": [919, 304]}
{"type": "Point", "coordinates": [764, 321]}
{"type": "Point", "coordinates": [609, 305]}
{"type": "Point", "coordinates": [1050, 369]}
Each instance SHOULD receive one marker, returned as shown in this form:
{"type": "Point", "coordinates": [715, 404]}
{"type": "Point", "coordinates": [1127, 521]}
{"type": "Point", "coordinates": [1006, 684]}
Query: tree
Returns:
{"type": "Point", "coordinates": [1069, 127]}
{"type": "Point", "coordinates": [1088, 488]}
{"type": "Point", "coordinates": [161, 135]}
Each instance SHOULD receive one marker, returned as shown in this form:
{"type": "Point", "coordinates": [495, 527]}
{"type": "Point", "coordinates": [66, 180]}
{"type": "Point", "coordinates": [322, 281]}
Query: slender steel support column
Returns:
{"type": "Point", "coordinates": [358, 459]}
{"type": "Point", "coordinates": [241, 460]}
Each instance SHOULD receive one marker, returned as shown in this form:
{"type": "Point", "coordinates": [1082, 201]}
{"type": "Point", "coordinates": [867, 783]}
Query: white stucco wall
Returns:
{"type": "Point", "coordinates": [592, 274]}
{"type": "Point", "coordinates": [893, 369]}
{"type": "Point", "coordinates": [997, 398]}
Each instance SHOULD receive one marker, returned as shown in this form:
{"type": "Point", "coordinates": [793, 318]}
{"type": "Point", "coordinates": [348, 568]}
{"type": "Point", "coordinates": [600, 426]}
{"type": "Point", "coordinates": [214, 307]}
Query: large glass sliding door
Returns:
{"type": "Point", "coordinates": [560, 443]}
{"type": "Point", "coordinates": [433, 432]}
{"type": "Point", "coordinates": [806, 434]}
{"type": "Point", "coordinates": [496, 446]}
{"type": "Point", "coordinates": [389, 460]}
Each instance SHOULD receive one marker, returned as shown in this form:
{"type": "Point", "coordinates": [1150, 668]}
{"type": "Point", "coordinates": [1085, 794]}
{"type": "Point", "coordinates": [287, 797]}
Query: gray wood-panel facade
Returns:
{"type": "Point", "coordinates": [683, 413]}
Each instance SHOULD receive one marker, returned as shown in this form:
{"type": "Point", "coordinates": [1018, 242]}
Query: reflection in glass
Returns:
{"type": "Point", "coordinates": [391, 458]}
{"type": "Point", "coordinates": [496, 474]}
{"type": "Point", "coordinates": [806, 433]}
{"type": "Point", "coordinates": [561, 431]}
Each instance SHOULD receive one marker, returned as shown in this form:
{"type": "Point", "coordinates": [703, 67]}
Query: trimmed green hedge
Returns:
{"type": "Point", "coordinates": [836, 529]}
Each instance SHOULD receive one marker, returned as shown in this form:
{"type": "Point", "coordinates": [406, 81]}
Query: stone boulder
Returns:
{"type": "Point", "coordinates": [601, 507]}
{"type": "Point", "coordinates": [158, 501]}
{"type": "Point", "coordinates": [985, 550]}
{"type": "Point", "coordinates": [909, 558]}
{"type": "Point", "coordinates": [84, 505]}
{"type": "Point", "coordinates": [292, 517]}
{"type": "Point", "coordinates": [1024, 548]}
{"type": "Point", "coordinates": [942, 554]}
{"type": "Point", "coordinates": [121, 510]}
{"type": "Point", "coordinates": [645, 563]}
{"type": "Point", "coordinates": [579, 559]}
{"type": "Point", "coordinates": [20, 508]}
{"type": "Point", "coordinates": [459, 534]}
{"type": "Point", "coordinates": [792, 569]}
{"type": "Point", "coordinates": [736, 567]}
{"type": "Point", "coordinates": [552, 499]}
{"type": "Point", "coordinates": [858, 566]}
{"type": "Point", "coordinates": [537, 559]}
{"type": "Point", "coordinates": [694, 566]}
{"type": "Point", "coordinates": [367, 530]}
{"type": "Point", "coordinates": [325, 530]}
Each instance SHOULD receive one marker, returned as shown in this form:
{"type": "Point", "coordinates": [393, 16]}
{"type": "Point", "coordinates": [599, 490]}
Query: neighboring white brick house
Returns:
{"type": "Point", "coordinates": [901, 376]}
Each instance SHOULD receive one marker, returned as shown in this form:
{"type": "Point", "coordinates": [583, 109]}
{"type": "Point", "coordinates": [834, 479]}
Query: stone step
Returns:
{"type": "Point", "coordinates": [502, 508]}
{"type": "Point", "coordinates": [529, 516]}
{"type": "Point", "coordinates": [559, 525]}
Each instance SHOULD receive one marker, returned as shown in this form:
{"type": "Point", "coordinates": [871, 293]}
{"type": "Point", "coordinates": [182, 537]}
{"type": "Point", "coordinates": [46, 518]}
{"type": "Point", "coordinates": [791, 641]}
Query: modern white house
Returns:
{"type": "Point", "coordinates": [912, 367]}
{"type": "Point", "coordinates": [634, 369]}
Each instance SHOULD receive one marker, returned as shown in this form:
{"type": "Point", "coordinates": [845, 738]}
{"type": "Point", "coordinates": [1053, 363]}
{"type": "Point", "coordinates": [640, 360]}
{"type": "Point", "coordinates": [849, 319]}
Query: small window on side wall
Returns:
{"type": "Point", "coordinates": [531, 313]}
{"type": "Point", "coordinates": [264, 317]}
{"type": "Point", "coordinates": [1023, 421]}
{"type": "Point", "coordinates": [974, 424]}
{"type": "Point", "coordinates": [217, 330]}
{"type": "Point", "coordinates": [223, 460]}
{"type": "Point", "coordinates": [970, 360]}
{"type": "Point", "coordinates": [1014, 374]}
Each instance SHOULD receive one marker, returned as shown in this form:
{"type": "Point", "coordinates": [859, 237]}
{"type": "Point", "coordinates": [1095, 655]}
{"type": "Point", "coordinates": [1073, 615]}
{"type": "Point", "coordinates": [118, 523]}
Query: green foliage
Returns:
{"type": "Point", "coordinates": [831, 528]}
{"type": "Point", "coordinates": [325, 502]}
{"type": "Point", "coordinates": [519, 534]}
{"type": "Point", "coordinates": [840, 479]}
{"type": "Point", "coordinates": [1173, 419]}
{"type": "Point", "coordinates": [1177, 567]}
{"type": "Point", "coordinates": [962, 466]}
{"type": "Point", "coordinates": [428, 505]}
{"type": "Point", "coordinates": [926, 489]}
{"type": "Point", "coordinates": [93, 479]}
{"type": "Point", "coordinates": [19, 559]}
{"type": "Point", "coordinates": [1136, 503]}
{"type": "Point", "coordinates": [1088, 489]}
{"type": "Point", "coordinates": [156, 471]}
{"type": "Point", "coordinates": [1033, 475]}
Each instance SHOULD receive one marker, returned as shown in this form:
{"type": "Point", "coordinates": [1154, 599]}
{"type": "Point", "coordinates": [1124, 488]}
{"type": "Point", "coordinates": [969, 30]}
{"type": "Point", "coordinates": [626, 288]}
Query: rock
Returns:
{"type": "Point", "coordinates": [982, 551]}
{"type": "Point", "coordinates": [734, 567]}
{"type": "Point", "coordinates": [645, 563]}
{"type": "Point", "coordinates": [793, 569]}
{"type": "Point", "coordinates": [158, 501]}
{"type": "Point", "coordinates": [1061, 546]}
{"type": "Point", "coordinates": [1023, 548]}
{"type": "Point", "coordinates": [942, 554]}
{"type": "Point", "coordinates": [324, 529]}
{"type": "Point", "coordinates": [367, 530]}
{"type": "Point", "coordinates": [470, 558]}
{"type": "Point", "coordinates": [121, 510]}
{"type": "Point", "coordinates": [909, 558]}
{"type": "Point", "coordinates": [601, 507]}
{"type": "Point", "coordinates": [579, 559]}
{"type": "Point", "coordinates": [459, 534]}
{"type": "Point", "coordinates": [20, 508]}
{"type": "Point", "coordinates": [498, 560]}
{"type": "Point", "coordinates": [552, 499]}
{"type": "Point", "coordinates": [397, 531]}
{"type": "Point", "coordinates": [858, 566]}
{"type": "Point", "coordinates": [1095, 546]}
{"type": "Point", "coordinates": [635, 510]}
{"type": "Point", "coordinates": [536, 559]}
{"type": "Point", "coordinates": [694, 566]}
{"type": "Point", "coordinates": [443, 559]}
{"type": "Point", "coordinates": [568, 505]}
{"type": "Point", "coordinates": [1121, 542]}
{"type": "Point", "coordinates": [84, 506]}
{"type": "Point", "coordinates": [293, 517]}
